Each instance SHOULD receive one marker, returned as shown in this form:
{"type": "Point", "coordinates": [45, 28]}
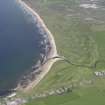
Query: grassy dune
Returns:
{"type": "Point", "coordinates": [81, 41]}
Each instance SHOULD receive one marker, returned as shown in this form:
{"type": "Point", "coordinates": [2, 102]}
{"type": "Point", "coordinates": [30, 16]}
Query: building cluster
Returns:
{"type": "Point", "coordinates": [100, 73]}
{"type": "Point", "coordinates": [59, 91]}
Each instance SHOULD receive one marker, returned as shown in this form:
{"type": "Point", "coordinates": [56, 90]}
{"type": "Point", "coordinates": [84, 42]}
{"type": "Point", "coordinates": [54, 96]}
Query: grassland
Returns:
{"type": "Point", "coordinates": [84, 97]}
{"type": "Point", "coordinates": [82, 42]}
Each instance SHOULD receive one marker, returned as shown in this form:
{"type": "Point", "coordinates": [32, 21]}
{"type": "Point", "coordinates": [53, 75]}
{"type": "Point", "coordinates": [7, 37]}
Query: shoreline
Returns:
{"type": "Point", "coordinates": [45, 68]}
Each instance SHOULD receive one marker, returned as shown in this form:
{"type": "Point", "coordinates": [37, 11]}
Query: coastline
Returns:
{"type": "Point", "coordinates": [45, 68]}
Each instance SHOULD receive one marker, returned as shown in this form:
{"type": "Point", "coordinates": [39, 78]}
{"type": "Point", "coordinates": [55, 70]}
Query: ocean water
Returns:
{"type": "Point", "coordinates": [19, 44]}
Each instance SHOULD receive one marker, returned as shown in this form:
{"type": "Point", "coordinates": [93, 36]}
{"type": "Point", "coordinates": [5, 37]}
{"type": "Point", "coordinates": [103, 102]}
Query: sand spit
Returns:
{"type": "Point", "coordinates": [44, 68]}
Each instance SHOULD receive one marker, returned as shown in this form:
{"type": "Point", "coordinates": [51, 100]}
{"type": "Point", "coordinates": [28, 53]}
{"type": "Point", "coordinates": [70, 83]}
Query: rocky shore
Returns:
{"type": "Point", "coordinates": [39, 70]}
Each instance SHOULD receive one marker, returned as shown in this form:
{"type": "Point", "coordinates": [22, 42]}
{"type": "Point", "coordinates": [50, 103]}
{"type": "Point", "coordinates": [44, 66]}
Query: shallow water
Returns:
{"type": "Point", "coordinates": [19, 43]}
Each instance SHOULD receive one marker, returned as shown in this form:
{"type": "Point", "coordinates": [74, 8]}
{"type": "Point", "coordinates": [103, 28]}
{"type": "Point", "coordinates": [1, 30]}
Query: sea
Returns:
{"type": "Point", "coordinates": [19, 44]}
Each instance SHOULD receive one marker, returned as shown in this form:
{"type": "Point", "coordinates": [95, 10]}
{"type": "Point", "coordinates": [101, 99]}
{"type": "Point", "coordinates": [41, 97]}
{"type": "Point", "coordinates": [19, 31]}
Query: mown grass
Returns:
{"type": "Point", "coordinates": [79, 42]}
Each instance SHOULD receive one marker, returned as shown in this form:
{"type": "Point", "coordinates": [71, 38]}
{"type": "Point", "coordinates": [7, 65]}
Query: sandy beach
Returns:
{"type": "Point", "coordinates": [52, 53]}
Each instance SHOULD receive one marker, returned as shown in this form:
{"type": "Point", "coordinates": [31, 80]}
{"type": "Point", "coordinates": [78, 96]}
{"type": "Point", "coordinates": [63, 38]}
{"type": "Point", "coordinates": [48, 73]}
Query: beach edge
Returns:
{"type": "Point", "coordinates": [52, 53]}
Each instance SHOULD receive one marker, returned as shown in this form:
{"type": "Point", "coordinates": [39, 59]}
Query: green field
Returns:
{"type": "Point", "coordinates": [84, 97]}
{"type": "Point", "coordinates": [80, 37]}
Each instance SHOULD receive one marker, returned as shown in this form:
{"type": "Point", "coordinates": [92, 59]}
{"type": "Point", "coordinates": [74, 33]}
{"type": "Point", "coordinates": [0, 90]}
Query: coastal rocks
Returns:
{"type": "Point", "coordinates": [29, 78]}
{"type": "Point", "coordinates": [11, 95]}
{"type": "Point", "coordinates": [12, 101]}
{"type": "Point", "coordinates": [4, 92]}
{"type": "Point", "coordinates": [47, 46]}
{"type": "Point", "coordinates": [17, 101]}
{"type": "Point", "coordinates": [44, 44]}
